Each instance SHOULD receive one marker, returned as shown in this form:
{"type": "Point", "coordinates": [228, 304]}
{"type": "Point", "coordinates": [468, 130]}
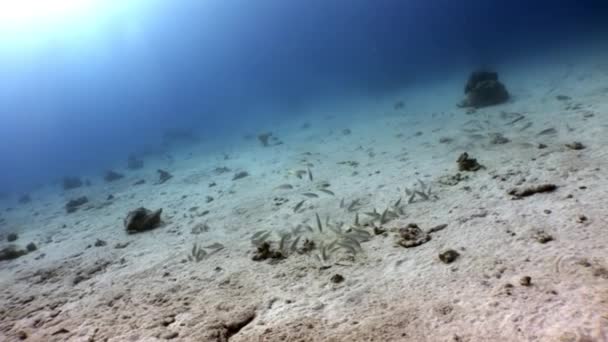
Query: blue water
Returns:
{"type": "Point", "coordinates": [77, 98]}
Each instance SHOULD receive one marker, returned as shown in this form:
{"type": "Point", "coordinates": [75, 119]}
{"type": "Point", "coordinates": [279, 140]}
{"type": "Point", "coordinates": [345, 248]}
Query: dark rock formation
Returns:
{"type": "Point", "coordinates": [12, 237]}
{"type": "Point", "coordinates": [264, 137]}
{"type": "Point", "coordinates": [268, 139]}
{"type": "Point", "coordinates": [75, 204]}
{"type": "Point", "coordinates": [412, 236]}
{"type": "Point", "coordinates": [465, 163]}
{"type": "Point", "coordinates": [484, 89]}
{"type": "Point", "coordinates": [336, 278]}
{"type": "Point", "coordinates": [239, 175]}
{"type": "Point", "coordinates": [163, 176]}
{"type": "Point", "coordinates": [111, 176]}
{"type": "Point", "coordinates": [100, 243]}
{"type": "Point", "coordinates": [134, 163]}
{"type": "Point", "coordinates": [448, 256]}
{"type": "Point", "coordinates": [11, 252]}
{"type": "Point", "coordinates": [31, 247]}
{"type": "Point", "coordinates": [71, 183]}
{"type": "Point", "coordinates": [142, 219]}
{"type": "Point", "coordinates": [264, 251]}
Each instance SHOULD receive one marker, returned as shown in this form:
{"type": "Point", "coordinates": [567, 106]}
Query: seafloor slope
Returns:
{"type": "Point", "coordinates": [520, 268]}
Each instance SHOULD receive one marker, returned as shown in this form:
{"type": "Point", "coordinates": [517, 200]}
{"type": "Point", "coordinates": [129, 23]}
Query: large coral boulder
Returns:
{"type": "Point", "coordinates": [484, 89]}
{"type": "Point", "coordinates": [142, 219]}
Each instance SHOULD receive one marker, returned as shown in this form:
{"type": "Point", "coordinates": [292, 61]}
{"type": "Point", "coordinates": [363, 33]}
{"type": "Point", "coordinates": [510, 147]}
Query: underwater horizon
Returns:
{"type": "Point", "coordinates": [320, 170]}
{"type": "Point", "coordinates": [78, 98]}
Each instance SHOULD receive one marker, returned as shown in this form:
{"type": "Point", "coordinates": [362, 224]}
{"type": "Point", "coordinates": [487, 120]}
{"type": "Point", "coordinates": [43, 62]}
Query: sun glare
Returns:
{"type": "Point", "coordinates": [25, 15]}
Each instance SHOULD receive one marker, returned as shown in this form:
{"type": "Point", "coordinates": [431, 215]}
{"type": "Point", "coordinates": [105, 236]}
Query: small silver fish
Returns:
{"type": "Point", "coordinates": [310, 195]}
{"type": "Point", "coordinates": [284, 187]}
{"type": "Point", "coordinates": [329, 192]}
{"type": "Point", "coordinates": [216, 245]}
{"type": "Point", "coordinates": [298, 206]}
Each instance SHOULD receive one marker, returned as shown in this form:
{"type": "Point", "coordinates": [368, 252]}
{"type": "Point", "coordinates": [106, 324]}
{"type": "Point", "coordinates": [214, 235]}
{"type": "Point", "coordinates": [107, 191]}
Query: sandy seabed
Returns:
{"type": "Point", "coordinates": [531, 268]}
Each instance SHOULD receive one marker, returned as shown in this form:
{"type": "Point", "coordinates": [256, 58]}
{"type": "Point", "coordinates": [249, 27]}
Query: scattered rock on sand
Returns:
{"type": "Point", "coordinates": [12, 237]}
{"type": "Point", "coordinates": [264, 251]}
{"type": "Point", "coordinates": [100, 243]}
{"type": "Point", "coordinates": [448, 256]}
{"type": "Point", "coordinates": [31, 247]}
{"type": "Point", "coordinates": [75, 204]}
{"type": "Point", "coordinates": [484, 89]}
{"type": "Point", "coordinates": [542, 237]}
{"type": "Point", "coordinates": [525, 281]}
{"type": "Point", "coordinates": [412, 236]}
{"type": "Point", "coordinates": [142, 219]}
{"type": "Point", "coordinates": [264, 137]}
{"type": "Point", "coordinates": [71, 183]}
{"type": "Point", "coordinates": [239, 175]}
{"type": "Point", "coordinates": [337, 278]}
{"type": "Point", "coordinates": [465, 163]}
{"type": "Point", "coordinates": [576, 146]}
{"type": "Point", "coordinates": [268, 139]}
{"type": "Point", "coordinates": [112, 176]}
{"type": "Point", "coordinates": [11, 252]}
{"type": "Point", "coordinates": [163, 176]}
{"type": "Point", "coordinates": [518, 193]}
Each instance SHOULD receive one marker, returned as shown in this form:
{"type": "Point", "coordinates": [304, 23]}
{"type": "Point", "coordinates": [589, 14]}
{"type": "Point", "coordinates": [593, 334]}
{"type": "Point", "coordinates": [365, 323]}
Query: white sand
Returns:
{"type": "Point", "coordinates": [148, 290]}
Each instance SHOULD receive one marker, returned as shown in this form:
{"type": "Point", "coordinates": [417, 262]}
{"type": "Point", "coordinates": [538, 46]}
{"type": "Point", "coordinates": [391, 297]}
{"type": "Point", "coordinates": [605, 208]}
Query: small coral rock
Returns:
{"type": "Point", "coordinates": [525, 281]}
{"type": "Point", "coordinates": [542, 237]}
{"type": "Point", "coordinates": [337, 278]}
{"type": "Point", "coordinates": [12, 237]}
{"type": "Point", "coordinates": [142, 219]}
{"type": "Point", "coordinates": [448, 256]}
{"type": "Point", "coordinates": [264, 251]}
{"type": "Point", "coordinates": [412, 236]}
{"type": "Point", "coordinates": [239, 175]}
{"type": "Point", "coordinates": [264, 137]}
{"type": "Point", "coordinates": [465, 163]}
{"type": "Point", "coordinates": [31, 247]}
{"type": "Point", "coordinates": [75, 204]}
{"type": "Point", "coordinates": [163, 176]}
